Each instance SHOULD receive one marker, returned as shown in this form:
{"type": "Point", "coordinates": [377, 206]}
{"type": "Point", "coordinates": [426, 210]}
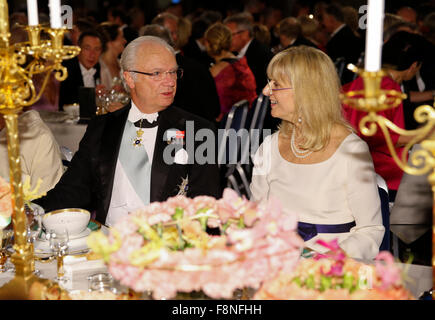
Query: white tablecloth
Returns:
{"type": "Point", "coordinates": [65, 128]}
{"type": "Point", "coordinates": [68, 134]}
{"type": "Point", "coordinates": [420, 277]}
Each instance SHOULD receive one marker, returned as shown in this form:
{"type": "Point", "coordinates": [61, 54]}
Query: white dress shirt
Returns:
{"type": "Point", "coordinates": [88, 76]}
{"type": "Point", "coordinates": [124, 197]}
{"type": "Point", "coordinates": [244, 49]}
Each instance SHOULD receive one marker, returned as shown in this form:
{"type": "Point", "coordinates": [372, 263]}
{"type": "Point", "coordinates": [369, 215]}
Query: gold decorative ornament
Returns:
{"type": "Point", "coordinates": [19, 63]}
{"type": "Point", "coordinates": [373, 99]}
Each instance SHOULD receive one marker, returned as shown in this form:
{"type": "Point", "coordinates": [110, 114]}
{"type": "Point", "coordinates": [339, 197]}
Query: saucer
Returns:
{"type": "Point", "coordinates": [82, 234]}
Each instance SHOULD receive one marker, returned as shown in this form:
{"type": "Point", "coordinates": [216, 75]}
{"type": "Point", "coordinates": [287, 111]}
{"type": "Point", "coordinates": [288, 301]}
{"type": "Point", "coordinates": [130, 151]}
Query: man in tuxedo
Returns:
{"type": "Point", "coordinates": [343, 43]}
{"type": "Point", "coordinates": [123, 161]}
{"type": "Point", "coordinates": [290, 34]}
{"type": "Point", "coordinates": [243, 42]}
{"type": "Point", "coordinates": [197, 90]}
{"type": "Point", "coordinates": [84, 70]}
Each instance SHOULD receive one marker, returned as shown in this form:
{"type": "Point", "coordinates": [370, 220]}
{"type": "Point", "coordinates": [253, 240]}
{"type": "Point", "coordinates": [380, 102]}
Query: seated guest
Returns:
{"type": "Point", "coordinates": [233, 77]}
{"type": "Point", "coordinates": [290, 34]}
{"type": "Point", "coordinates": [119, 17]}
{"type": "Point", "coordinates": [114, 43]}
{"type": "Point", "coordinates": [401, 60]}
{"type": "Point", "coordinates": [315, 165]}
{"type": "Point", "coordinates": [195, 48]}
{"type": "Point", "coordinates": [343, 43]}
{"type": "Point", "coordinates": [83, 70]}
{"type": "Point", "coordinates": [40, 155]}
{"type": "Point", "coordinates": [196, 89]}
{"type": "Point", "coordinates": [310, 29]}
{"type": "Point", "coordinates": [126, 158]}
{"type": "Point", "coordinates": [243, 42]}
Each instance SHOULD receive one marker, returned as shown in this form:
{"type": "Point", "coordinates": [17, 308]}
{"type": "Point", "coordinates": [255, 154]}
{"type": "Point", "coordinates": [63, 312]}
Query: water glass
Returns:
{"type": "Point", "coordinates": [59, 246]}
{"type": "Point", "coordinates": [101, 282]}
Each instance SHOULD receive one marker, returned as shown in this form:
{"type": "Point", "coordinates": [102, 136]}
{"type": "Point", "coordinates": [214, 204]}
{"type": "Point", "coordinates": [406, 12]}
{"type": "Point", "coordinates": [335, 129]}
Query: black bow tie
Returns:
{"type": "Point", "coordinates": [143, 123]}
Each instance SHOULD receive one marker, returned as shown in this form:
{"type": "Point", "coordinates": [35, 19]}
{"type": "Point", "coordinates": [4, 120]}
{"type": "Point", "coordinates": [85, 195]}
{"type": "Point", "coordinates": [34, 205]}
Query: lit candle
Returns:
{"type": "Point", "coordinates": [55, 19]}
{"type": "Point", "coordinates": [4, 18]}
{"type": "Point", "coordinates": [32, 12]}
{"type": "Point", "coordinates": [374, 36]}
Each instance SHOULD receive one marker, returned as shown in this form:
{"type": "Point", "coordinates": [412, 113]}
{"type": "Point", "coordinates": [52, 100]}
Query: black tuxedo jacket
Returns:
{"type": "Point", "coordinates": [88, 182]}
{"type": "Point", "coordinates": [258, 57]}
{"type": "Point", "coordinates": [69, 88]}
{"type": "Point", "coordinates": [345, 44]}
{"type": "Point", "coordinates": [193, 51]}
{"type": "Point", "coordinates": [196, 90]}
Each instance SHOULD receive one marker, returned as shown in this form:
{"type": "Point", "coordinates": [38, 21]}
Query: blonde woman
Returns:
{"type": "Point", "coordinates": [315, 165]}
{"type": "Point", "coordinates": [233, 78]}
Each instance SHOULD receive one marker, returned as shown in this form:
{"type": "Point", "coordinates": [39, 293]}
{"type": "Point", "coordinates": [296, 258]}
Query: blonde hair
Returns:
{"type": "Point", "coordinates": [219, 38]}
{"type": "Point", "coordinates": [184, 31]}
{"type": "Point", "coordinates": [316, 87]}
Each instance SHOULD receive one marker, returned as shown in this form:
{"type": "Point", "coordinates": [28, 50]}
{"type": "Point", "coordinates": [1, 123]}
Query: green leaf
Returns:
{"type": "Point", "coordinates": [298, 281]}
{"type": "Point", "coordinates": [241, 223]}
{"type": "Point", "coordinates": [325, 283]}
{"type": "Point", "coordinates": [203, 221]}
{"type": "Point", "coordinates": [310, 283]}
{"type": "Point", "coordinates": [348, 280]}
{"type": "Point", "coordinates": [178, 215]}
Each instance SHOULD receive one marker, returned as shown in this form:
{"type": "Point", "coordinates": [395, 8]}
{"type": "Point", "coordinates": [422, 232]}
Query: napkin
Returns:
{"type": "Point", "coordinates": [79, 268]}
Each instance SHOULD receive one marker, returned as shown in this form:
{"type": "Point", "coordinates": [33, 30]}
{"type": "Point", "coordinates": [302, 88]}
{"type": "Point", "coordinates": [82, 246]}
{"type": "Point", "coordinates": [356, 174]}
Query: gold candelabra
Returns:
{"type": "Point", "coordinates": [19, 63]}
{"type": "Point", "coordinates": [373, 99]}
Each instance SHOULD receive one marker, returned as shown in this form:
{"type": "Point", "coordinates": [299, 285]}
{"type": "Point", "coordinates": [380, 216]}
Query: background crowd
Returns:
{"type": "Point", "coordinates": [224, 50]}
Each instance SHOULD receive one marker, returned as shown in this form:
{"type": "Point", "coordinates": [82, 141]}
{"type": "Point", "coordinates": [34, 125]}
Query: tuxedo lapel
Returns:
{"type": "Point", "coordinates": [160, 171]}
{"type": "Point", "coordinates": [110, 145]}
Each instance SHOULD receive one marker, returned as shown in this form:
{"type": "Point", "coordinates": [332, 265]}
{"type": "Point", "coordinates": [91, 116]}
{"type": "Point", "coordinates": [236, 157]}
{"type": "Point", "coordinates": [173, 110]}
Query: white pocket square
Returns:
{"type": "Point", "coordinates": [181, 157]}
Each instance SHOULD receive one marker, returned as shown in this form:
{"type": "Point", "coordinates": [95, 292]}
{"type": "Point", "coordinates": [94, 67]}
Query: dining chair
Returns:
{"type": "Point", "coordinates": [385, 209]}
{"type": "Point", "coordinates": [232, 123]}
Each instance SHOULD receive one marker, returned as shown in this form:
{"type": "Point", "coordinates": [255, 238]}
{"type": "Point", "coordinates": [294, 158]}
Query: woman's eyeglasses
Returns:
{"type": "Point", "coordinates": [159, 75]}
{"type": "Point", "coordinates": [271, 90]}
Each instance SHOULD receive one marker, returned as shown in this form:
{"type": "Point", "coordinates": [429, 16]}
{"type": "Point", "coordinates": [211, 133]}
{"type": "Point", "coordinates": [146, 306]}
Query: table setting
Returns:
{"type": "Point", "coordinates": [164, 252]}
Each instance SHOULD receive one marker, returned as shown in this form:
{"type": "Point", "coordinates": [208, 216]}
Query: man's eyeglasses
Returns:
{"type": "Point", "coordinates": [271, 90]}
{"type": "Point", "coordinates": [158, 75]}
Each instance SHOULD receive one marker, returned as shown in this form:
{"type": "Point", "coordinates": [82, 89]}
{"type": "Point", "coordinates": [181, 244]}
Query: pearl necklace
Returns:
{"type": "Point", "coordinates": [298, 153]}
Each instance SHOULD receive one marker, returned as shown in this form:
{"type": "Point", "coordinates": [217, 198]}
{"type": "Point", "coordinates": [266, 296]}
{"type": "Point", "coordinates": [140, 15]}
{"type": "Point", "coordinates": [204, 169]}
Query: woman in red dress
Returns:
{"type": "Point", "coordinates": [233, 77]}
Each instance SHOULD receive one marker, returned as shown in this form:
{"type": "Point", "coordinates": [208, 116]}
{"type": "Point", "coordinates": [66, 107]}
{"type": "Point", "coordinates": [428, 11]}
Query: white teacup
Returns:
{"type": "Point", "coordinates": [74, 220]}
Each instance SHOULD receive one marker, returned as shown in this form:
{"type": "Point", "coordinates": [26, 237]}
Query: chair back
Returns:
{"type": "Point", "coordinates": [385, 208]}
{"type": "Point", "coordinates": [340, 64]}
{"type": "Point", "coordinates": [257, 113]}
{"type": "Point", "coordinates": [234, 120]}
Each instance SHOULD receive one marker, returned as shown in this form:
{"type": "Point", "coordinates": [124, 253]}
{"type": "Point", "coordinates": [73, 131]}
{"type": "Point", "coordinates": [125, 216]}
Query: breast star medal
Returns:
{"type": "Point", "coordinates": [138, 140]}
{"type": "Point", "coordinates": [183, 187]}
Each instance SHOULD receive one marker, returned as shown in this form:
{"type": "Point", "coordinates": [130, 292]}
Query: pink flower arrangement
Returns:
{"type": "Point", "coordinates": [334, 276]}
{"type": "Point", "coordinates": [5, 199]}
{"type": "Point", "coordinates": [166, 248]}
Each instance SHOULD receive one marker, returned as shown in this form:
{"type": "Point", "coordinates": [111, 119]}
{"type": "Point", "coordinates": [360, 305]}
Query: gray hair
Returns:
{"type": "Point", "coordinates": [130, 54]}
{"type": "Point", "coordinates": [242, 20]}
{"type": "Point", "coordinates": [158, 31]}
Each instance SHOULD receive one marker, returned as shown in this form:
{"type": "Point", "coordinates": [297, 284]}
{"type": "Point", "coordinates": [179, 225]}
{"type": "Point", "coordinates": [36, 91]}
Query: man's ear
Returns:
{"type": "Point", "coordinates": [128, 79]}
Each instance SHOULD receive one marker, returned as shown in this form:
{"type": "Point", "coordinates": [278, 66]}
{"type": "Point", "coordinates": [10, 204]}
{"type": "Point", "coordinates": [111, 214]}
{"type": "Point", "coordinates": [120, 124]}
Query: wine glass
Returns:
{"type": "Point", "coordinates": [59, 245]}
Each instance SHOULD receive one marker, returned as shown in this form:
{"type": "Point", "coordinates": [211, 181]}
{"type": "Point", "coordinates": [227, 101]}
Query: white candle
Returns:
{"type": "Point", "coordinates": [32, 12]}
{"type": "Point", "coordinates": [55, 19]}
{"type": "Point", "coordinates": [375, 23]}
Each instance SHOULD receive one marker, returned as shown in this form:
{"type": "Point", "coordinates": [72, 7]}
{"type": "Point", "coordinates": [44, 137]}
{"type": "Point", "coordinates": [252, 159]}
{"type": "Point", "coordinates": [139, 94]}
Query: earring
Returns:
{"type": "Point", "coordinates": [300, 120]}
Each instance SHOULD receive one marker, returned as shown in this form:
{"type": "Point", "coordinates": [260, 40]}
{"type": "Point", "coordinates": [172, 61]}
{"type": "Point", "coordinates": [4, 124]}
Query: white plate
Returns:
{"type": "Point", "coordinates": [74, 245]}
{"type": "Point", "coordinates": [82, 234]}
